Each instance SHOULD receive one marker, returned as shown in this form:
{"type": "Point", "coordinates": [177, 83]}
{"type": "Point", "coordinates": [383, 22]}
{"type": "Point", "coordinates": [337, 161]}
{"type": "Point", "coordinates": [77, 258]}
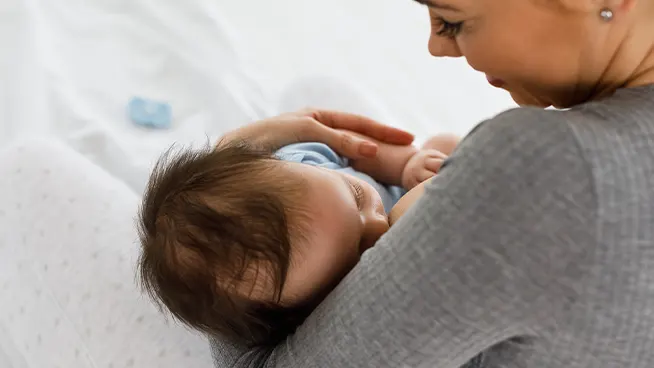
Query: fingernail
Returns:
{"type": "Point", "coordinates": [368, 149]}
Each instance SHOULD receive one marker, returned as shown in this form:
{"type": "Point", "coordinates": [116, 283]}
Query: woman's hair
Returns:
{"type": "Point", "coordinates": [214, 230]}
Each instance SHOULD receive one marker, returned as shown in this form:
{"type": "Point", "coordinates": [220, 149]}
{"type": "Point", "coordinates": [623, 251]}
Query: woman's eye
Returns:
{"type": "Point", "coordinates": [448, 29]}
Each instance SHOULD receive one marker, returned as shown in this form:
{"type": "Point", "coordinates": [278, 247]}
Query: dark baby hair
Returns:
{"type": "Point", "coordinates": [212, 221]}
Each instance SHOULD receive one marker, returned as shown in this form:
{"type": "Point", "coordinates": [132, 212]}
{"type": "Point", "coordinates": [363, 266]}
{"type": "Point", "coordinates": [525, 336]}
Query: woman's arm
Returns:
{"type": "Point", "coordinates": [467, 266]}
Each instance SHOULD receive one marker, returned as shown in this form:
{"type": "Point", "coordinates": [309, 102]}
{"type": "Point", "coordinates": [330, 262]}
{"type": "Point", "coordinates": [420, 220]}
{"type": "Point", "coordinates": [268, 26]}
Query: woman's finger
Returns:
{"type": "Point", "coordinates": [344, 143]}
{"type": "Point", "coordinates": [362, 125]}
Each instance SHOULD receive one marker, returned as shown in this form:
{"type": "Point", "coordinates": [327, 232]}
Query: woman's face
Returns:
{"type": "Point", "coordinates": [544, 52]}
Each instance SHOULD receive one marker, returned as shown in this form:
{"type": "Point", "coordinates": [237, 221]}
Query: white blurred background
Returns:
{"type": "Point", "coordinates": [69, 67]}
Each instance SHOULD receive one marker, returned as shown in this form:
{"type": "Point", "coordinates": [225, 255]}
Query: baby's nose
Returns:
{"type": "Point", "coordinates": [375, 227]}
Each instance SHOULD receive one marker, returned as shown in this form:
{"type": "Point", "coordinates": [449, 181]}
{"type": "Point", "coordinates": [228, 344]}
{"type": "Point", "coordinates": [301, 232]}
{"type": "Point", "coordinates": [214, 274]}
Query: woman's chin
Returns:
{"type": "Point", "coordinates": [525, 100]}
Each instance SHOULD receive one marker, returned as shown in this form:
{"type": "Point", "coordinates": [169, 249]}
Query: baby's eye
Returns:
{"type": "Point", "coordinates": [358, 194]}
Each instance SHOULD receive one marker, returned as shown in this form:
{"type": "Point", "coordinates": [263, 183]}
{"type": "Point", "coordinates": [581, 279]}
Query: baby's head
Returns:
{"type": "Point", "coordinates": [238, 243]}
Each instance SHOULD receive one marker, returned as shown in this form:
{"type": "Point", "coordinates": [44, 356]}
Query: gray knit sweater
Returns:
{"type": "Point", "coordinates": [534, 245]}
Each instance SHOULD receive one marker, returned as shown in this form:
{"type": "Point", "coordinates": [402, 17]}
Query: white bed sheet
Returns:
{"type": "Point", "coordinates": [67, 251]}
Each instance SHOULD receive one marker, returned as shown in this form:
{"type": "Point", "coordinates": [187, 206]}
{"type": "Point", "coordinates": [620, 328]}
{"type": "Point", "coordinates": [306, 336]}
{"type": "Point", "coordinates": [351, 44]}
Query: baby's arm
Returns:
{"type": "Point", "coordinates": [445, 143]}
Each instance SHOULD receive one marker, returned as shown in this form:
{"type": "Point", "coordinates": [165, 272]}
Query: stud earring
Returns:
{"type": "Point", "coordinates": [606, 15]}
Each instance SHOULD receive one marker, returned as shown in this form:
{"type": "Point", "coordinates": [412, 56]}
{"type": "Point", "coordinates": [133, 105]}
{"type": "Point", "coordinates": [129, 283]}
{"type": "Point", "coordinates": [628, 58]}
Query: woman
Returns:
{"type": "Point", "coordinates": [534, 245]}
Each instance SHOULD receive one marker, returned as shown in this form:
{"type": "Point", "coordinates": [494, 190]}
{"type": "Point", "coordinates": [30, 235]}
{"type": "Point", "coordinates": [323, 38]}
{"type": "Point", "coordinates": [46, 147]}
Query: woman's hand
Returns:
{"type": "Point", "coordinates": [322, 126]}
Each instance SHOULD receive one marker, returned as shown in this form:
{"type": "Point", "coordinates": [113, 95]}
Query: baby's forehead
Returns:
{"type": "Point", "coordinates": [293, 174]}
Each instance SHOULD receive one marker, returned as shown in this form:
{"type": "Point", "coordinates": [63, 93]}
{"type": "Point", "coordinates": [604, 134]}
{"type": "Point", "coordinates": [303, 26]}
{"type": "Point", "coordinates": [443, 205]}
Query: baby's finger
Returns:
{"type": "Point", "coordinates": [434, 153]}
{"type": "Point", "coordinates": [424, 175]}
{"type": "Point", "coordinates": [433, 164]}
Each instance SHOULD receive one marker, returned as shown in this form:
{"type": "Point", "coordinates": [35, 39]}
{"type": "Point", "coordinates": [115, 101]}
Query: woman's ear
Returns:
{"type": "Point", "coordinates": [579, 6]}
{"type": "Point", "coordinates": [619, 6]}
{"type": "Point", "coordinates": [596, 6]}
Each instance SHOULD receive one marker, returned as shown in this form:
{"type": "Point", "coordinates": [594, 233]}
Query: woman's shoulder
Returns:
{"type": "Point", "coordinates": [533, 153]}
{"type": "Point", "coordinates": [614, 133]}
{"type": "Point", "coordinates": [523, 122]}
{"type": "Point", "coordinates": [522, 132]}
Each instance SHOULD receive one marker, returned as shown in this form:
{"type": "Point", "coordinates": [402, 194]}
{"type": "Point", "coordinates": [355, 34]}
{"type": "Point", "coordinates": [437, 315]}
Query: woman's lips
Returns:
{"type": "Point", "coordinates": [495, 82]}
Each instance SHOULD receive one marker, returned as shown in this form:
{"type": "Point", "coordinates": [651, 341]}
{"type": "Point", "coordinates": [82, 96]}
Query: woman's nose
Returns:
{"type": "Point", "coordinates": [443, 47]}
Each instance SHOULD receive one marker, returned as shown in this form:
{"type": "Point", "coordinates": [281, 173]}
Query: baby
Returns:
{"type": "Point", "coordinates": [245, 243]}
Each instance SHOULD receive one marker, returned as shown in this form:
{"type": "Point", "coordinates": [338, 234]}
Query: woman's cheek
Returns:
{"type": "Point", "coordinates": [489, 51]}
{"type": "Point", "coordinates": [478, 55]}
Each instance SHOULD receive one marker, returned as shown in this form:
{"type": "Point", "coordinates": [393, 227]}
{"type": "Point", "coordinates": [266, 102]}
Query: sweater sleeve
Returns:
{"type": "Point", "coordinates": [488, 254]}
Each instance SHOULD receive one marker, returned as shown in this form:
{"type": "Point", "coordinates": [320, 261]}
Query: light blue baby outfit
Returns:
{"type": "Point", "coordinates": [319, 154]}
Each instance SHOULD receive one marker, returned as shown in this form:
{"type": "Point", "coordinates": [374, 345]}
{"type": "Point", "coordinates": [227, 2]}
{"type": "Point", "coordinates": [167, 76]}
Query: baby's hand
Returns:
{"type": "Point", "coordinates": [422, 166]}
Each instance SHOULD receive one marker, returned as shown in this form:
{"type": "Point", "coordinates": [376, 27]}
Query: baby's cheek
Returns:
{"type": "Point", "coordinates": [319, 269]}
